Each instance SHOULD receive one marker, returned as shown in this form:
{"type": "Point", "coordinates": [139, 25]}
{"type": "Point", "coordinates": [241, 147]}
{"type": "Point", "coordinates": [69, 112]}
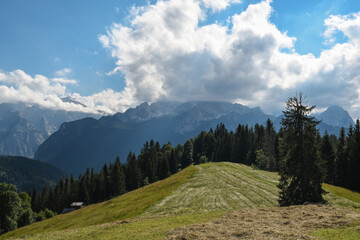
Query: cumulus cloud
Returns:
{"type": "Point", "coordinates": [347, 24]}
{"type": "Point", "coordinates": [17, 86]}
{"type": "Point", "coordinates": [165, 53]}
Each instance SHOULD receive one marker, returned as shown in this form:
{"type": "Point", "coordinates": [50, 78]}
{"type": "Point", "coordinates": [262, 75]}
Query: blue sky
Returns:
{"type": "Point", "coordinates": [44, 37]}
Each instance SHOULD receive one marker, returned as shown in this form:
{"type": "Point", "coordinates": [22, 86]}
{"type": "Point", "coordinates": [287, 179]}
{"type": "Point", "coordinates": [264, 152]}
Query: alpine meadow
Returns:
{"type": "Point", "coordinates": [180, 119]}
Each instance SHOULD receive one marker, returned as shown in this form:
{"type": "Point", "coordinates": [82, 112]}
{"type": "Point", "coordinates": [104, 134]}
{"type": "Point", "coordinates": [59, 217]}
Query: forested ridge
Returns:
{"type": "Point", "coordinates": [27, 173]}
{"type": "Point", "coordinates": [258, 146]}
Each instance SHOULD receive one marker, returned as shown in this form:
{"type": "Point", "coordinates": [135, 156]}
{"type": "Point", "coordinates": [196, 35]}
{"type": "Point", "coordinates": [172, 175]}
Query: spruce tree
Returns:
{"type": "Point", "coordinates": [173, 162]}
{"type": "Point", "coordinates": [117, 178]}
{"type": "Point", "coordinates": [341, 161]}
{"type": "Point", "coordinates": [300, 170]}
{"type": "Point", "coordinates": [354, 158]}
{"type": "Point", "coordinates": [164, 169]}
{"type": "Point", "coordinates": [187, 156]}
{"type": "Point", "coordinates": [269, 149]}
{"type": "Point", "coordinates": [328, 159]}
{"type": "Point", "coordinates": [133, 173]}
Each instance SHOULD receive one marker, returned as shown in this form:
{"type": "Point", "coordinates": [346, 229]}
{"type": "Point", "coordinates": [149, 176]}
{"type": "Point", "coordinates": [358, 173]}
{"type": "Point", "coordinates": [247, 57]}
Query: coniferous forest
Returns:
{"type": "Point", "coordinates": [258, 146]}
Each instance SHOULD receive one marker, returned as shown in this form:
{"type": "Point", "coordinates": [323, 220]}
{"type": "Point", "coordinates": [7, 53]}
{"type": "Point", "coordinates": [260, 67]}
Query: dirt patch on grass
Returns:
{"type": "Point", "coordinates": [295, 222]}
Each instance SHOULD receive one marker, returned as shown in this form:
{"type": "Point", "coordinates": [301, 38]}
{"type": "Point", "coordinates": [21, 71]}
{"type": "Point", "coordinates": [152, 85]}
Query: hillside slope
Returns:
{"type": "Point", "coordinates": [27, 174]}
{"type": "Point", "coordinates": [195, 195]}
{"type": "Point", "coordinates": [23, 127]}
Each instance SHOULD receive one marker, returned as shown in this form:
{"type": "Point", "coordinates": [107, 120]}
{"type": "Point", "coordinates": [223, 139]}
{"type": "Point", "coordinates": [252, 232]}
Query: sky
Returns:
{"type": "Point", "coordinates": [115, 54]}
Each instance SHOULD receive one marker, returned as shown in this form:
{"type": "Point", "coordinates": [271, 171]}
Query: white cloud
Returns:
{"type": "Point", "coordinates": [64, 80]}
{"type": "Point", "coordinates": [62, 76]}
{"type": "Point", "coordinates": [164, 53]}
{"type": "Point", "coordinates": [167, 53]}
{"type": "Point", "coordinates": [217, 5]}
{"type": "Point", "coordinates": [63, 72]}
{"type": "Point", "coordinates": [347, 24]}
{"type": "Point", "coordinates": [17, 86]}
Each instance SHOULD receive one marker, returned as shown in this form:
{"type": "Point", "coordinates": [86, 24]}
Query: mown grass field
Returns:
{"type": "Point", "coordinates": [196, 195]}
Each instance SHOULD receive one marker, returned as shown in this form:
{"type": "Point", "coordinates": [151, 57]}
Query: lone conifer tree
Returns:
{"type": "Point", "coordinates": [300, 169]}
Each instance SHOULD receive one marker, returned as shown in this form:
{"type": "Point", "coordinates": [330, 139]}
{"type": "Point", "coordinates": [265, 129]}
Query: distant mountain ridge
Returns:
{"type": "Point", "coordinates": [90, 143]}
{"type": "Point", "coordinates": [24, 127]}
{"type": "Point", "coordinates": [332, 120]}
{"type": "Point", "coordinates": [336, 116]}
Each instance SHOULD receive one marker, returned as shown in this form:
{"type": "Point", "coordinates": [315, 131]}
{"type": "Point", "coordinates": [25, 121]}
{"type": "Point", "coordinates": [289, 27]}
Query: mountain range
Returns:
{"type": "Point", "coordinates": [90, 143]}
{"type": "Point", "coordinates": [23, 127]}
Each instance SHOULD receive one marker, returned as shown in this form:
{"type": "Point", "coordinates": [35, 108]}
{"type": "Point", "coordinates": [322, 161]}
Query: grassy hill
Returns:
{"type": "Point", "coordinates": [198, 194]}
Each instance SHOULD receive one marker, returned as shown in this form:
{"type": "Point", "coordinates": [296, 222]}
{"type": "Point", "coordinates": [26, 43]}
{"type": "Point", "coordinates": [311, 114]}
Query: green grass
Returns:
{"type": "Point", "coordinates": [143, 228]}
{"type": "Point", "coordinates": [220, 187]}
{"type": "Point", "coordinates": [347, 233]}
{"type": "Point", "coordinates": [342, 192]}
{"type": "Point", "coordinates": [195, 195]}
{"type": "Point", "coordinates": [127, 206]}
{"type": "Point", "coordinates": [346, 198]}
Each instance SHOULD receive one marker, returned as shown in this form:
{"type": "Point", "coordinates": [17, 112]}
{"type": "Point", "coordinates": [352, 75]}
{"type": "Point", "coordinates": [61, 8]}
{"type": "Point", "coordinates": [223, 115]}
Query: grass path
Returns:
{"type": "Point", "coordinates": [220, 187]}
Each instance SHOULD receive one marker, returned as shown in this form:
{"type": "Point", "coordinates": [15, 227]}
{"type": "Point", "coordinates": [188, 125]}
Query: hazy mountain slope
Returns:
{"type": "Point", "coordinates": [194, 195]}
{"type": "Point", "coordinates": [332, 119]}
{"type": "Point", "coordinates": [24, 127]}
{"type": "Point", "coordinates": [17, 135]}
{"type": "Point", "coordinates": [27, 174]}
{"type": "Point", "coordinates": [336, 116]}
{"type": "Point", "coordinates": [90, 143]}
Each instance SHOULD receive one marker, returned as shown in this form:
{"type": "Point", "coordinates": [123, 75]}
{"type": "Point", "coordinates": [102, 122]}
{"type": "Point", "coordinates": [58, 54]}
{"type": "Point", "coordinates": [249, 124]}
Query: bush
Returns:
{"type": "Point", "coordinates": [203, 159]}
{"type": "Point", "coordinates": [49, 213]}
{"type": "Point", "coordinates": [40, 216]}
{"type": "Point", "coordinates": [27, 217]}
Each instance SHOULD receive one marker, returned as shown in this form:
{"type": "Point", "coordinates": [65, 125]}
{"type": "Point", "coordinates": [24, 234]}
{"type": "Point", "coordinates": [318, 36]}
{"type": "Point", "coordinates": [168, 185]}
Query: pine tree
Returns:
{"type": "Point", "coordinates": [328, 158]}
{"type": "Point", "coordinates": [341, 161]}
{"type": "Point", "coordinates": [83, 194]}
{"type": "Point", "coordinates": [173, 164]}
{"type": "Point", "coordinates": [117, 178]}
{"type": "Point", "coordinates": [35, 201]}
{"type": "Point", "coordinates": [354, 157]}
{"type": "Point", "coordinates": [241, 144]}
{"type": "Point", "coordinates": [187, 156]}
{"type": "Point", "coordinates": [106, 182]}
{"type": "Point", "coordinates": [133, 173]}
{"type": "Point", "coordinates": [164, 169]}
{"type": "Point", "coordinates": [198, 146]}
{"type": "Point", "coordinates": [300, 171]}
{"type": "Point", "coordinates": [268, 161]}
